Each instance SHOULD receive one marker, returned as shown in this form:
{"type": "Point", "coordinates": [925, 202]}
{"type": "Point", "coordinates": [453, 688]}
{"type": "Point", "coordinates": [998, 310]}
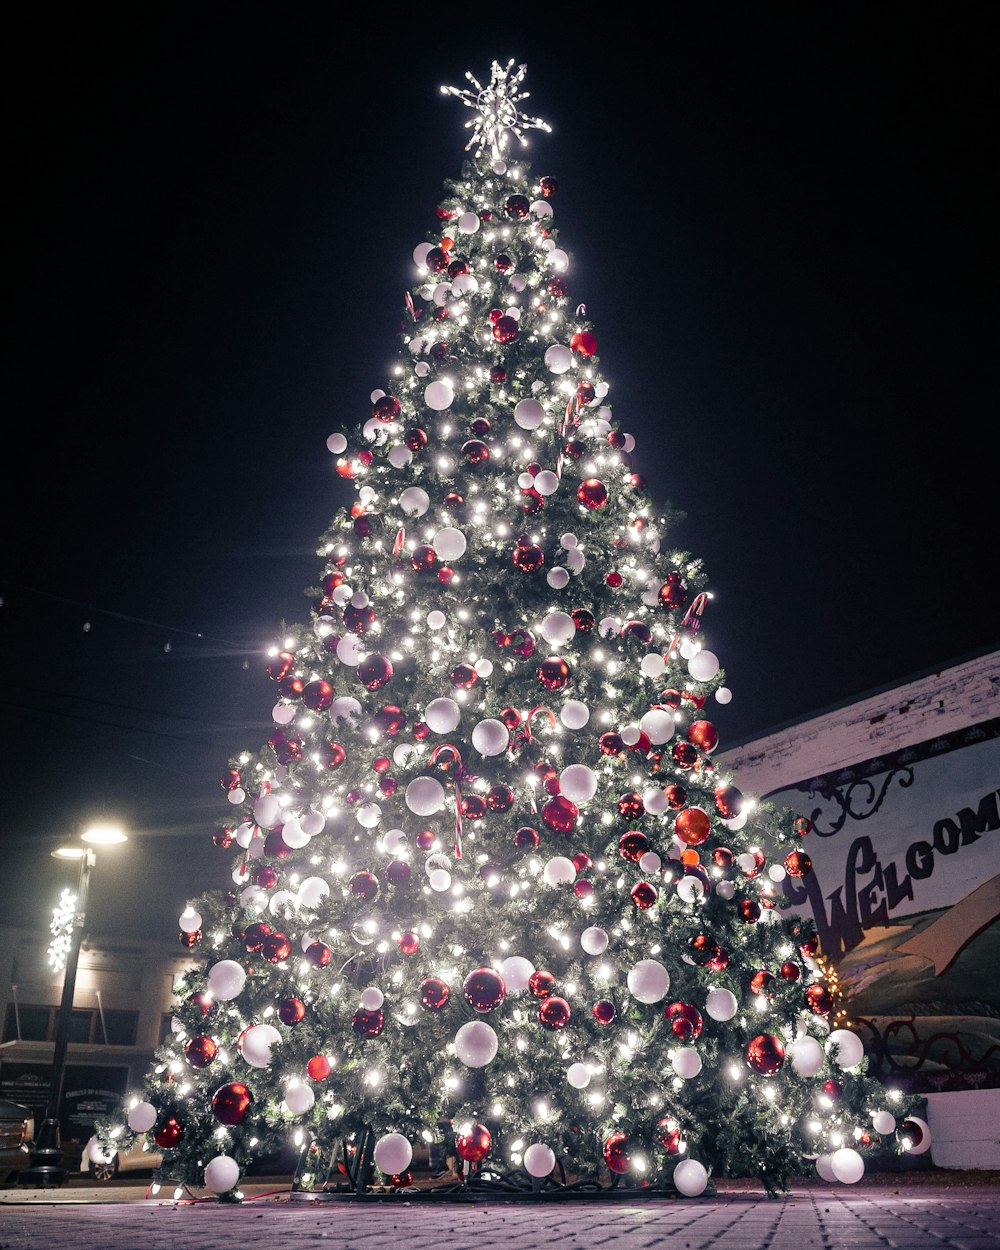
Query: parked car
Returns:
{"type": "Point", "coordinates": [105, 1165]}
{"type": "Point", "coordinates": [17, 1129]}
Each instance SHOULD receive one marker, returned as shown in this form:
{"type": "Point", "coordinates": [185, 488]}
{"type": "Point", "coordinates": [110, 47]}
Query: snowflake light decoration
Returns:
{"type": "Point", "coordinates": [497, 115]}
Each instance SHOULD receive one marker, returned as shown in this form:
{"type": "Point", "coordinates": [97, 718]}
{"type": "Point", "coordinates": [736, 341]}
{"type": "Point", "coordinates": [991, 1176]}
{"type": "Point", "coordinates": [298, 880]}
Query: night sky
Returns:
{"type": "Point", "coordinates": [781, 219]}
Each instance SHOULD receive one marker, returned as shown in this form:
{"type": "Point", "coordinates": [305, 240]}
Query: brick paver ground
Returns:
{"type": "Point", "coordinates": [876, 1217]}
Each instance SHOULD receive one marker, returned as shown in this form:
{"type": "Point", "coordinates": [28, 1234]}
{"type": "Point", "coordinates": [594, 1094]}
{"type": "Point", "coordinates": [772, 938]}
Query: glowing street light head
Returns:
{"type": "Point", "coordinates": [104, 835]}
{"type": "Point", "coordinates": [497, 115]}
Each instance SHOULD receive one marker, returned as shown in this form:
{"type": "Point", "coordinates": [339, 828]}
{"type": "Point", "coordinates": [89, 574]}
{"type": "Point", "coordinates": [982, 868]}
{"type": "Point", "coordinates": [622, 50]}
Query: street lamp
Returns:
{"type": "Point", "coordinates": [46, 1170]}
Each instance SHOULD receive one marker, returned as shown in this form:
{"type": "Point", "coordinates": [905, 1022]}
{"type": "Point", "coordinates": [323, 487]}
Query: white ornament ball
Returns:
{"type": "Point", "coordinates": [557, 578]}
{"type": "Point", "coordinates": [806, 1055]}
{"type": "Point", "coordinates": [652, 665]}
{"type": "Point", "coordinates": [657, 725]}
{"type": "Point", "coordinates": [436, 620]}
{"type": "Point", "coordinates": [525, 481]}
{"type": "Point", "coordinates": [824, 1169]}
{"type": "Point", "coordinates": [476, 1044]}
{"type": "Point", "coordinates": [400, 456]}
{"type": "Point", "coordinates": [578, 783]}
{"type": "Point", "coordinates": [539, 1159]}
{"type": "Point", "coordinates": [725, 890]}
{"type": "Point", "coordinates": [655, 801]}
{"type": "Point", "coordinates": [558, 628]}
{"type": "Point", "coordinates": [244, 834]}
{"type": "Point", "coordinates": [440, 295]}
{"type": "Point", "coordinates": [468, 223]}
{"type": "Point", "coordinates": [517, 971]}
{"type": "Point", "coordinates": [610, 626]}
{"type": "Point", "coordinates": [574, 714]}
{"type": "Point", "coordinates": [421, 369]}
{"type": "Point", "coordinates": [221, 1174]}
{"type": "Point", "coordinates": [236, 795]}
{"type": "Point", "coordinates": [449, 543]}
{"type": "Point", "coordinates": [293, 835]}
{"type": "Point", "coordinates": [313, 891]}
{"type": "Point", "coordinates": [282, 713]}
{"type": "Point", "coordinates": [721, 1004]}
{"type": "Point", "coordinates": [703, 666]}
{"type": "Point", "coordinates": [630, 735]}
{"type": "Point", "coordinates": [690, 890]}
{"type": "Point", "coordinates": [557, 259]}
{"type": "Point", "coordinates": [648, 981]}
{"type": "Point", "coordinates": [313, 822]}
{"type": "Point", "coordinates": [517, 282]}
{"type": "Point", "coordinates": [845, 1048]}
{"type": "Point", "coordinates": [723, 695]}
{"type": "Point", "coordinates": [650, 862]}
{"type": "Point", "coordinates": [372, 998]}
{"type": "Point", "coordinates": [541, 208]}
{"type": "Point", "coordinates": [884, 1122]}
{"type": "Point", "coordinates": [529, 414]}
{"type": "Point", "coordinates": [420, 254]}
{"type": "Point", "coordinates": [350, 649]}
{"type": "Point", "coordinates": [392, 840]}
{"type": "Point", "coordinates": [847, 1166]}
{"type": "Point", "coordinates": [558, 358]}
{"type": "Point", "coordinates": [925, 1143]}
{"type": "Point", "coordinates": [299, 1099]}
{"type": "Point", "coordinates": [336, 443]}
{"type": "Point", "coordinates": [283, 903]}
{"type": "Point", "coordinates": [439, 396]}
{"type": "Point", "coordinates": [777, 872]}
{"type": "Point", "coordinates": [142, 1117]}
{"type": "Point", "coordinates": [414, 501]}
{"type": "Point", "coordinates": [559, 871]}
{"type": "Point", "coordinates": [393, 1153]}
{"type": "Point", "coordinates": [226, 979]}
{"type": "Point", "coordinates": [368, 815]}
{"type": "Point", "coordinates": [255, 1044]}
{"type": "Point", "coordinates": [737, 822]}
{"type": "Point", "coordinates": [442, 716]}
{"type": "Point", "coordinates": [575, 560]}
{"type": "Point", "coordinates": [439, 880]}
{"type": "Point", "coordinates": [189, 920]}
{"type": "Point", "coordinates": [96, 1153]}
{"type": "Point", "coordinates": [346, 708]}
{"type": "Point", "coordinates": [690, 1178]}
{"type": "Point", "coordinates": [594, 940]}
{"type": "Point", "coordinates": [568, 540]}
{"type": "Point", "coordinates": [267, 811]}
{"type": "Point", "coordinates": [465, 284]}
{"type": "Point", "coordinates": [578, 1075]}
{"type": "Point", "coordinates": [686, 1062]}
{"type": "Point", "coordinates": [425, 796]}
{"type": "Point", "coordinates": [546, 482]}
{"type": "Point", "coordinates": [490, 737]}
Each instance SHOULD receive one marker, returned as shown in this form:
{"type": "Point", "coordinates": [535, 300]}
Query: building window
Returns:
{"type": "Point", "coordinates": [38, 1024]}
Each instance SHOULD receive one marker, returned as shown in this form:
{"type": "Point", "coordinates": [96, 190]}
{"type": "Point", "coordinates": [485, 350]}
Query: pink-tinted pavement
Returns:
{"type": "Point", "coordinates": [876, 1216]}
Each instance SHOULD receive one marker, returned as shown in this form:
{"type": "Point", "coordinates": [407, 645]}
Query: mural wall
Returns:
{"type": "Point", "coordinates": [905, 894]}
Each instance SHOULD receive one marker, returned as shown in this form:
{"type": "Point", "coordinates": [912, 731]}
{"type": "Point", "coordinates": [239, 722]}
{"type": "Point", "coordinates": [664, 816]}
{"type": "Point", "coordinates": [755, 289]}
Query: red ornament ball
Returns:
{"type": "Point", "coordinates": [527, 557]}
{"type": "Point", "coordinates": [798, 864]}
{"type": "Point", "coordinates": [614, 579]}
{"type": "Point", "coordinates": [603, 1011]}
{"type": "Point", "coordinates": [541, 983]}
{"type": "Point", "coordinates": [833, 1090]}
{"type": "Point", "coordinates": [484, 989]}
{"type": "Point", "coordinates": [505, 330]}
{"type": "Point", "coordinates": [500, 798]}
{"type": "Point", "coordinates": [331, 754]}
{"type": "Point", "coordinates": [584, 344]}
{"type": "Point", "coordinates": [728, 802]}
{"type": "Point", "coordinates": [282, 664]}
{"type": "Point", "coordinates": [685, 1021]}
{"type": "Point", "coordinates": [386, 408]}
{"type": "Point", "coordinates": [201, 1051]}
{"type": "Point", "coordinates": [203, 1001]}
{"type": "Point", "coordinates": [374, 672]}
{"type": "Point", "coordinates": [765, 1054]}
{"type": "Point", "coordinates": [498, 374]}
{"type": "Point", "coordinates": [673, 593]}
{"type": "Point", "coordinates": [703, 735]}
{"type": "Point", "coordinates": [762, 983]}
{"type": "Point", "coordinates": [291, 1010]}
{"type": "Point", "coordinates": [631, 806]}
{"type": "Point", "coordinates": [517, 206]}
{"type": "Point", "coordinates": [409, 943]}
{"type": "Point", "coordinates": [554, 1013]}
{"type": "Point", "coordinates": [191, 939]}
{"type": "Point", "coordinates": [276, 948]}
{"type": "Point", "coordinates": [633, 845]}
{"type": "Point", "coordinates": [474, 1144]}
{"type": "Point", "coordinates": [318, 1068]}
{"type": "Point", "coordinates": [364, 885]}
{"type": "Point", "coordinates": [553, 673]}
{"type": "Point", "coordinates": [475, 451]}
{"type": "Point", "coordinates": [749, 910]}
{"type": "Point", "coordinates": [819, 998]}
{"type": "Point", "coordinates": [547, 186]}
{"type": "Point", "coordinates": [692, 826]}
{"type": "Point", "coordinates": [668, 1134]}
{"type": "Point", "coordinates": [169, 1134]}
{"type": "Point", "coordinates": [790, 971]}
{"type": "Point", "coordinates": [367, 1023]}
{"type": "Point", "coordinates": [230, 1103]}
{"type": "Point", "coordinates": [560, 814]}
{"type": "Point", "coordinates": [592, 493]}
{"type": "Point", "coordinates": [526, 838]}
{"type": "Point", "coordinates": [616, 1153]}
{"type": "Point", "coordinates": [434, 994]}
{"type": "Point", "coordinates": [584, 620]}
{"type": "Point", "coordinates": [318, 954]}
{"type": "Point", "coordinates": [685, 754]}
{"type": "Point", "coordinates": [802, 826]}
{"type": "Point", "coordinates": [644, 895]}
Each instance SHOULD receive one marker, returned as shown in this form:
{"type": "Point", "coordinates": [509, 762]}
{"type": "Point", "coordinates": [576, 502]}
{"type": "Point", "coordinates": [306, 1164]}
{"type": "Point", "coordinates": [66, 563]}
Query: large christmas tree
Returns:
{"type": "Point", "coordinates": [491, 890]}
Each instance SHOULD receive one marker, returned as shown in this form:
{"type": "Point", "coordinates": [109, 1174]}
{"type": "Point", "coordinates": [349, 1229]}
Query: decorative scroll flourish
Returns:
{"type": "Point", "coordinates": [857, 801]}
{"type": "Point", "coordinates": [897, 1049]}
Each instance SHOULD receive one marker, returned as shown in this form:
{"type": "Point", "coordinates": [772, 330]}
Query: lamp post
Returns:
{"type": "Point", "coordinates": [46, 1170]}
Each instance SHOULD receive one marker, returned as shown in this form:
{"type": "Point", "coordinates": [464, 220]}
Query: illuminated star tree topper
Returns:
{"type": "Point", "coordinates": [497, 114]}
